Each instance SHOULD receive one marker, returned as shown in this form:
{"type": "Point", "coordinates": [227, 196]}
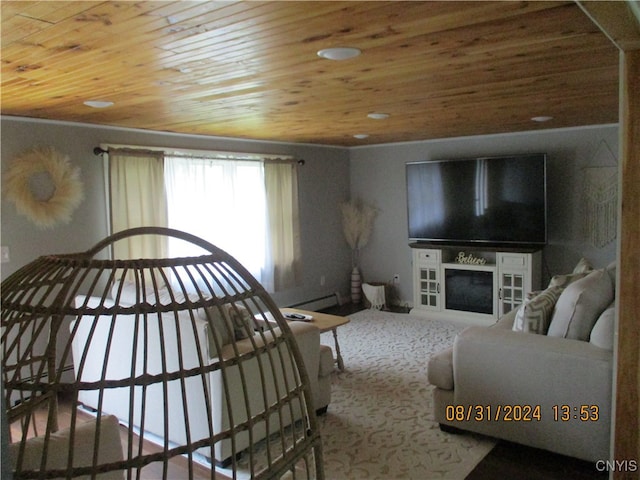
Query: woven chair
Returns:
{"type": "Point", "coordinates": [70, 309]}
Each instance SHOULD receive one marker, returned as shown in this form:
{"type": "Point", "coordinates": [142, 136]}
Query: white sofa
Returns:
{"type": "Point", "coordinates": [553, 356]}
{"type": "Point", "coordinates": [169, 415]}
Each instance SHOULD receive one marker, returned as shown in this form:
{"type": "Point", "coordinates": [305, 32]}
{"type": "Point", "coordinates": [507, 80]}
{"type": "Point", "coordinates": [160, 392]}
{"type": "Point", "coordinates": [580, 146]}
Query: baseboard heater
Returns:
{"type": "Point", "coordinates": [319, 303]}
{"type": "Point", "coordinates": [67, 375]}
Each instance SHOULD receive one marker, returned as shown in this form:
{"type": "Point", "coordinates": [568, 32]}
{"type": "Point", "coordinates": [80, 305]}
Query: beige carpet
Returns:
{"type": "Point", "coordinates": [379, 424]}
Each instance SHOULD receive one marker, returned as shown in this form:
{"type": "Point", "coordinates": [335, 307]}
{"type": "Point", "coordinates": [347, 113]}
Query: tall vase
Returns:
{"type": "Point", "coordinates": [356, 285]}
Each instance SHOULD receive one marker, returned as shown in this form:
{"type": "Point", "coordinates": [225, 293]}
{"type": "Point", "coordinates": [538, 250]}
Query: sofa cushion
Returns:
{"type": "Point", "coordinates": [109, 448]}
{"type": "Point", "coordinates": [580, 305]}
{"type": "Point", "coordinates": [440, 369]}
{"type": "Point", "coordinates": [506, 321]}
{"type": "Point", "coordinates": [602, 333]}
{"type": "Point", "coordinates": [127, 295]}
{"type": "Point", "coordinates": [611, 270]}
{"type": "Point", "coordinates": [326, 361]}
{"type": "Point", "coordinates": [534, 315]}
{"type": "Point", "coordinates": [163, 296]}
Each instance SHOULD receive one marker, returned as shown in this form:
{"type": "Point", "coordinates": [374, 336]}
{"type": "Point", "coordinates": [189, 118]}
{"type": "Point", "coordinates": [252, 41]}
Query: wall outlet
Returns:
{"type": "Point", "coordinates": [4, 255]}
{"type": "Point", "coordinates": [396, 279]}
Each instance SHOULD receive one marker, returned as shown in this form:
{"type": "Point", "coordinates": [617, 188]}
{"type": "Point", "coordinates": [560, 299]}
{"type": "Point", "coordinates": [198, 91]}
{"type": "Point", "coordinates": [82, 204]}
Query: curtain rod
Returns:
{"type": "Point", "coordinates": [101, 151]}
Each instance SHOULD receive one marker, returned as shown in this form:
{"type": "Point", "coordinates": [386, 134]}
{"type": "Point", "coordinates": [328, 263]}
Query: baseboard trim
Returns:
{"type": "Point", "coordinates": [317, 303]}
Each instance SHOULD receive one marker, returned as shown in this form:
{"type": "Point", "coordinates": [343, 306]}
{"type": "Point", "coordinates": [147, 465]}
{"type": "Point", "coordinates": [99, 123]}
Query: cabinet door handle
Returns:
{"type": "Point", "coordinates": [438, 288]}
{"type": "Point", "coordinates": [500, 293]}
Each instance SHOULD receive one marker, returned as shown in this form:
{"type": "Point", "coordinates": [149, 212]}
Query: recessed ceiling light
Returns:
{"type": "Point", "coordinates": [378, 116]}
{"type": "Point", "coordinates": [541, 119]}
{"type": "Point", "coordinates": [361, 136]}
{"type": "Point", "coordinates": [339, 53]}
{"type": "Point", "coordinates": [98, 103]}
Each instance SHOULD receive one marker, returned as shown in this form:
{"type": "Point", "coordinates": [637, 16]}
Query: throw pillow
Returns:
{"type": "Point", "coordinates": [219, 326]}
{"type": "Point", "coordinates": [531, 295]}
{"type": "Point", "coordinates": [583, 266]}
{"type": "Point", "coordinates": [564, 280]}
{"type": "Point", "coordinates": [242, 321]}
{"type": "Point", "coordinates": [602, 333]}
{"type": "Point", "coordinates": [580, 305]}
{"type": "Point", "coordinates": [534, 314]}
{"type": "Point", "coordinates": [227, 323]}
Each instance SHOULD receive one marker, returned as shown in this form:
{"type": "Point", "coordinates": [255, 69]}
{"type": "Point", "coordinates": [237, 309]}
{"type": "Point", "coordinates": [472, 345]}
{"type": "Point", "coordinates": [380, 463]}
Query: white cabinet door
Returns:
{"type": "Point", "coordinates": [426, 266]}
{"type": "Point", "coordinates": [514, 280]}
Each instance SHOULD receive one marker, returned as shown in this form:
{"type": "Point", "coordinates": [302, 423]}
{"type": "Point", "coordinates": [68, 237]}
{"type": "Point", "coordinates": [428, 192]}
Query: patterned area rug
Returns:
{"type": "Point", "coordinates": [379, 424]}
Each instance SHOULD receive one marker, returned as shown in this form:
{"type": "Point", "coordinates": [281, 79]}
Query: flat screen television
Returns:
{"type": "Point", "coordinates": [488, 200]}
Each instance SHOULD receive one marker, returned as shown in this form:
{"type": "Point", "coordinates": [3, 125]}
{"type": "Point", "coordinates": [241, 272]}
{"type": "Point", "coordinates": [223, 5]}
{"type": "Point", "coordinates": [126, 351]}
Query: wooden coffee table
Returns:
{"type": "Point", "coordinates": [325, 323]}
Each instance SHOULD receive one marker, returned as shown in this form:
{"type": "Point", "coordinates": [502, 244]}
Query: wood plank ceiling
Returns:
{"type": "Point", "coordinates": [250, 69]}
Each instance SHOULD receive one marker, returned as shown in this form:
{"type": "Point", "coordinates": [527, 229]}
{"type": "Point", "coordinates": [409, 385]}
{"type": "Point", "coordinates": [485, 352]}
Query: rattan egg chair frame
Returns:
{"type": "Point", "coordinates": [145, 368]}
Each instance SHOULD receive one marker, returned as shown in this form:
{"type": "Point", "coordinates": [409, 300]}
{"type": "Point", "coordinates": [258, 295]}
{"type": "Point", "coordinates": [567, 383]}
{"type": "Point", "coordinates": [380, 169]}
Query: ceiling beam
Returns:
{"type": "Point", "coordinates": [620, 21]}
{"type": "Point", "coordinates": [627, 404]}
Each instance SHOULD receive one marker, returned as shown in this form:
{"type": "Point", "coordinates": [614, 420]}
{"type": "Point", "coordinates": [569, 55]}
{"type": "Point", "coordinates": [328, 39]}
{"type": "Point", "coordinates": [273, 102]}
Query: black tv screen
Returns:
{"type": "Point", "coordinates": [494, 200]}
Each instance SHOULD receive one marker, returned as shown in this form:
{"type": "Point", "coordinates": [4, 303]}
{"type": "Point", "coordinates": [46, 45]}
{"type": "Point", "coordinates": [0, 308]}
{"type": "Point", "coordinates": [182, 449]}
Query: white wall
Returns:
{"type": "Point", "coordinates": [323, 180]}
{"type": "Point", "coordinates": [378, 177]}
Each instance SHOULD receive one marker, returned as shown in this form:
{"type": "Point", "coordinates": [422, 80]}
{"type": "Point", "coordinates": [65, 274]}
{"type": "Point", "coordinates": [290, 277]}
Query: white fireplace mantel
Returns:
{"type": "Point", "coordinates": [475, 285]}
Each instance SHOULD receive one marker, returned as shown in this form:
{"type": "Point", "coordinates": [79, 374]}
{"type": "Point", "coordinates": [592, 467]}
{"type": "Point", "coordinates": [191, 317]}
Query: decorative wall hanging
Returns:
{"type": "Point", "coordinates": [44, 186]}
{"type": "Point", "coordinates": [600, 198]}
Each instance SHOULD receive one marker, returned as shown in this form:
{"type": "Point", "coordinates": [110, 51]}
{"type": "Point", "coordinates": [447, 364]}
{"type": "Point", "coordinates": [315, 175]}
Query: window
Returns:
{"type": "Point", "coordinates": [222, 201]}
{"type": "Point", "coordinates": [247, 207]}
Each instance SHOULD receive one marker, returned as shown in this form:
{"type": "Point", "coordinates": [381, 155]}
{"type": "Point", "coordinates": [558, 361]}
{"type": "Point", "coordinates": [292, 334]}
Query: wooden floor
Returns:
{"type": "Point", "coordinates": [178, 467]}
{"type": "Point", "coordinates": [510, 460]}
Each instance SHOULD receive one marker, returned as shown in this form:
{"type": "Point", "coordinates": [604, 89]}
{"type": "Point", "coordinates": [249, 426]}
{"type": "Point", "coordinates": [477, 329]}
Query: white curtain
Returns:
{"type": "Point", "coordinates": [248, 208]}
{"type": "Point", "coordinates": [137, 199]}
{"type": "Point", "coordinates": [221, 201]}
{"type": "Point", "coordinates": [281, 185]}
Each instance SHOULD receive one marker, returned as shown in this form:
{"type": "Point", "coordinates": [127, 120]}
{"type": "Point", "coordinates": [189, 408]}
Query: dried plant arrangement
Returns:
{"type": "Point", "coordinates": [357, 223]}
